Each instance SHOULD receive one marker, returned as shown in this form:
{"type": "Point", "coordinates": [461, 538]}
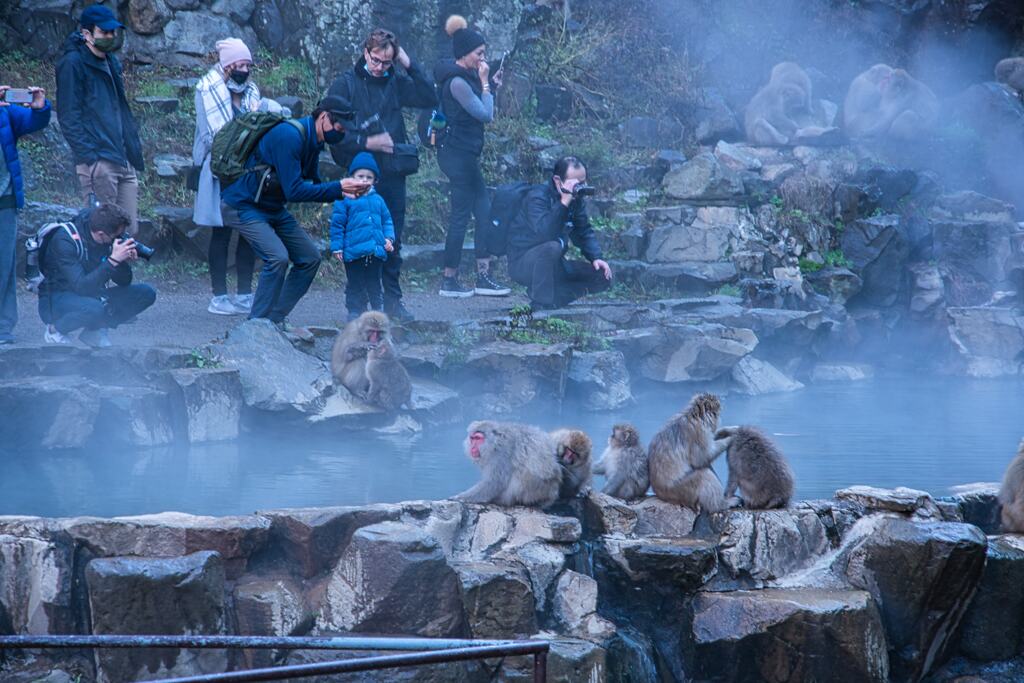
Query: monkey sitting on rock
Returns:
{"type": "Point", "coordinates": [516, 465]}
{"type": "Point", "coordinates": [757, 467]}
{"type": "Point", "coordinates": [1011, 494]}
{"type": "Point", "coordinates": [572, 450]}
{"type": "Point", "coordinates": [680, 455]}
{"type": "Point", "coordinates": [390, 387]}
{"type": "Point", "coordinates": [349, 355]}
{"type": "Point", "coordinates": [884, 102]}
{"type": "Point", "coordinates": [624, 464]}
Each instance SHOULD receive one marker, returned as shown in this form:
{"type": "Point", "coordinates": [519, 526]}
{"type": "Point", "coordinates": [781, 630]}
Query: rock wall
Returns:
{"type": "Point", "coordinates": [874, 585]}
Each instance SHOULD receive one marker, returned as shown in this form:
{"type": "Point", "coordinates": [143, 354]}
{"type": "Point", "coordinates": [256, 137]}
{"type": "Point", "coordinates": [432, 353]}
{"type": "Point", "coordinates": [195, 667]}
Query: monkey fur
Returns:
{"type": "Point", "coordinates": [1010, 72]}
{"type": "Point", "coordinates": [516, 465]}
{"type": "Point", "coordinates": [390, 386]}
{"type": "Point", "coordinates": [775, 113]}
{"type": "Point", "coordinates": [887, 102]}
{"type": "Point", "coordinates": [624, 464]}
{"type": "Point", "coordinates": [348, 357]}
{"type": "Point", "coordinates": [1011, 494]}
{"type": "Point", "coordinates": [572, 450]}
{"type": "Point", "coordinates": [757, 467]}
{"type": "Point", "coordinates": [680, 455]}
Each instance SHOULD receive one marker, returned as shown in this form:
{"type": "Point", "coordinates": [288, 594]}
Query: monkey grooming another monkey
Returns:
{"type": "Point", "coordinates": [1011, 494]}
{"type": "Point", "coordinates": [516, 465]}
{"type": "Point", "coordinates": [886, 102]}
{"type": "Point", "coordinates": [573, 448]}
{"type": "Point", "coordinates": [680, 455]}
{"type": "Point", "coordinates": [774, 113]}
{"type": "Point", "coordinates": [1010, 72]}
{"type": "Point", "coordinates": [390, 386]}
{"type": "Point", "coordinates": [624, 464]}
{"type": "Point", "coordinates": [757, 467]}
{"type": "Point", "coordinates": [348, 357]}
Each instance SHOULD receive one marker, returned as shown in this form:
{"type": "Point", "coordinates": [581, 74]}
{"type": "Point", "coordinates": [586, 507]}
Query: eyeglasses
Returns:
{"type": "Point", "coordinates": [386, 63]}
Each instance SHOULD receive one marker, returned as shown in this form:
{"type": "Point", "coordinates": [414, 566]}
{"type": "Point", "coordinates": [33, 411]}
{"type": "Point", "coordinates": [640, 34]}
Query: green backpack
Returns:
{"type": "Point", "coordinates": [235, 142]}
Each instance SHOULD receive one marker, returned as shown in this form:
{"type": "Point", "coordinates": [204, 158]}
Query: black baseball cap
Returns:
{"type": "Point", "coordinates": [98, 15]}
{"type": "Point", "coordinates": [338, 107]}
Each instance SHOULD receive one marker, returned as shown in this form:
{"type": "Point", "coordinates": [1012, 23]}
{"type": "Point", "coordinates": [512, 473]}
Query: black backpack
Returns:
{"type": "Point", "coordinates": [505, 207]}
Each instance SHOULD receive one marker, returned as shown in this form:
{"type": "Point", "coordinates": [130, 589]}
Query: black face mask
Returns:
{"type": "Point", "coordinates": [240, 77]}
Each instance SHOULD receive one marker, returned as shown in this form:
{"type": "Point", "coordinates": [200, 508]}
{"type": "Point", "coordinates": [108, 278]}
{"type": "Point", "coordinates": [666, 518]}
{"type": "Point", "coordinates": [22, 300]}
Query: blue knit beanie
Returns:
{"type": "Point", "coordinates": [364, 160]}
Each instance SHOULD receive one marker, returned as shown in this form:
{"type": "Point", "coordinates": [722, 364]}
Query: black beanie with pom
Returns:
{"type": "Point", "coordinates": [464, 39]}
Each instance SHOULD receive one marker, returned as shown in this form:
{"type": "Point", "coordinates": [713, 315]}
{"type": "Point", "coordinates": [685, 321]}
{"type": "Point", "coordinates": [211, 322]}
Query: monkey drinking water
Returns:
{"type": "Point", "coordinates": [516, 462]}
{"type": "Point", "coordinates": [572, 450]}
{"type": "Point", "coordinates": [624, 464]}
{"type": "Point", "coordinates": [757, 467]}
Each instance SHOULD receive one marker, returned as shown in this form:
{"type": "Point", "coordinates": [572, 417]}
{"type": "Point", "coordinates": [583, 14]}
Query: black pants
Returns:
{"type": "Point", "coordinates": [552, 280]}
{"type": "Point", "coordinates": [220, 241]}
{"type": "Point", "coordinates": [364, 285]}
{"type": "Point", "coordinates": [391, 189]}
{"type": "Point", "coordinates": [469, 196]}
{"type": "Point", "coordinates": [68, 311]}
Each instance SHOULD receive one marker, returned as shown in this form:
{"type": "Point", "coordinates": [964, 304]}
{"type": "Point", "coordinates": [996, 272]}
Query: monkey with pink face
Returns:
{"type": "Point", "coordinates": [517, 465]}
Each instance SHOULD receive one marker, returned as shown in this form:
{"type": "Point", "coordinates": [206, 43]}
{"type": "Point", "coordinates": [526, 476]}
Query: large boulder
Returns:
{"type": "Point", "coordinates": [575, 607]}
{"type": "Point", "coordinates": [759, 546]}
{"type": "Point", "coordinates": [208, 403]}
{"type": "Point", "coordinates": [180, 595]}
{"type": "Point", "coordinates": [990, 341]}
{"type": "Point", "coordinates": [275, 376]}
{"type": "Point", "coordinates": [47, 412]}
{"type": "Point", "coordinates": [509, 375]}
{"type": "Point", "coordinates": [35, 583]}
{"type": "Point", "coordinates": [781, 636]}
{"type": "Point", "coordinates": [393, 578]}
{"type": "Point", "coordinates": [879, 252]}
{"type": "Point", "coordinates": [685, 353]}
{"type": "Point", "coordinates": [703, 178]}
{"type": "Point", "coordinates": [980, 251]}
{"type": "Point", "coordinates": [756, 377]}
{"type": "Point", "coordinates": [993, 627]}
{"type": "Point", "coordinates": [598, 380]}
{"type": "Point", "coordinates": [498, 600]}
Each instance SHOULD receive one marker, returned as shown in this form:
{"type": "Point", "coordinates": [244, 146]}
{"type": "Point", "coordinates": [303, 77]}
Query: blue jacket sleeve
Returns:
{"type": "Point", "coordinates": [385, 220]}
{"type": "Point", "coordinates": [282, 149]}
{"type": "Point", "coordinates": [339, 220]}
{"type": "Point", "coordinates": [25, 120]}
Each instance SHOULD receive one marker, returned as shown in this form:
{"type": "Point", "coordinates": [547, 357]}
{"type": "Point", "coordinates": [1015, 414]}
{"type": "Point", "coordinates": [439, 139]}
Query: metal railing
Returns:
{"type": "Point", "coordinates": [418, 652]}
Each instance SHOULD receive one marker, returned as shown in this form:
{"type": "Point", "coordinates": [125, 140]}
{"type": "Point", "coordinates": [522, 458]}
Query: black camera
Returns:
{"type": "Point", "coordinates": [141, 249]}
{"type": "Point", "coordinates": [583, 190]}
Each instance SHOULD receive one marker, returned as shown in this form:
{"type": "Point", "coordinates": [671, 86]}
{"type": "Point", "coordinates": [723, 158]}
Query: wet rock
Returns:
{"type": "Point", "coordinates": [207, 403]}
{"type": "Point", "coordinates": [683, 353]}
{"type": "Point", "coordinates": [498, 600]}
{"type": "Point", "coordinates": [393, 578]}
{"type": "Point", "coordinates": [631, 657]}
{"type": "Point", "coordinates": [543, 563]}
{"type": "Point", "coordinates": [756, 377]}
{"type": "Point", "coordinates": [758, 546]}
{"type": "Point", "coordinates": [513, 375]}
{"type": "Point", "coordinates": [47, 412]}
{"type": "Point", "coordinates": [683, 564]}
{"type": "Point", "coordinates": [569, 661]}
{"type": "Point", "coordinates": [656, 517]}
{"type": "Point", "coordinates": [492, 529]}
{"type": "Point", "coordinates": [979, 504]}
{"type": "Point", "coordinates": [607, 515]}
{"type": "Point", "coordinates": [778, 636]}
{"type": "Point", "coordinates": [904, 500]}
{"type": "Point", "coordinates": [275, 376]}
{"type": "Point", "coordinates": [268, 607]}
{"type": "Point", "coordinates": [990, 341]}
{"type": "Point", "coordinates": [135, 416]}
{"type": "Point", "coordinates": [832, 372]}
{"type": "Point", "coordinates": [981, 250]}
{"type": "Point", "coordinates": [575, 607]}
{"type": "Point", "coordinates": [927, 289]}
{"type": "Point", "coordinates": [35, 583]}
{"type": "Point", "coordinates": [993, 626]}
{"type": "Point", "coordinates": [878, 252]}
{"type": "Point", "coordinates": [536, 526]}
{"type": "Point", "coordinates": [180, 595]}
{"type": "Point", "coordinates": [703, 178]}
{"type": "Point", "coordinates": [923, 576]}
{"type": "Point", "coordinates": [598, 380]}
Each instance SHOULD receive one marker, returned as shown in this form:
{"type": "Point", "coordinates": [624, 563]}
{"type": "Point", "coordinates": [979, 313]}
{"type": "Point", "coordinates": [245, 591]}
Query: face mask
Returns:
{"type": "Point", "coordinates": [236, 87]}
{"type": "Point", "coordinates": [333, 137]}
{"type": "Point", "coordinates": [240, 77]}
{"type": "Point", "coordinates": [104, 44]}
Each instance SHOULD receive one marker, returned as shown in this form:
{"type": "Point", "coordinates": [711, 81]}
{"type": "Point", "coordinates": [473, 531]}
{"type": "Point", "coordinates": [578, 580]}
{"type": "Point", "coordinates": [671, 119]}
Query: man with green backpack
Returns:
{"type": "Point", "coordinates": [263, 161]}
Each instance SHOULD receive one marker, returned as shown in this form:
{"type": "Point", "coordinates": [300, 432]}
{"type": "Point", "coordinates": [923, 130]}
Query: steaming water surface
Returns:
{"type": "Point", "coordinates": [924, 433]}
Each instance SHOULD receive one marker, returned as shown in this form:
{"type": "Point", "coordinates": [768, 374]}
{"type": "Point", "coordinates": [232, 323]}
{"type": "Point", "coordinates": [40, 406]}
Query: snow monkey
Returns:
{"type": "Point", "coordinates": [572, 452]}
{"type": "Point", "coordinates": [774, 114]}
{"type": "Point", "coordinates": [516, 465]}
{"type": "Point", "coordinates": [884, 101]}
{"type": "Point", "coordinates": [390, 386]}
{"type": "Point", "coordinates": [1011, 494]}
{"type": "Point", "coordinates": [348, 358]}
{"type": "Point", "coordinates": [680, 457]}
{"type": "Point", "coordinates": [757, 467]}
{"type": "Point", "coordinates": [1010, 71]}
{"type": "Point", "coordinates": [624, 464]}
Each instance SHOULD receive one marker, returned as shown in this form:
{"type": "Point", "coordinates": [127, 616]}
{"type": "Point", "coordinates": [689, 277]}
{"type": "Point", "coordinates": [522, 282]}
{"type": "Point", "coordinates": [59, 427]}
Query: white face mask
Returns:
{"type": "Point", "coordinates": [237, 87]}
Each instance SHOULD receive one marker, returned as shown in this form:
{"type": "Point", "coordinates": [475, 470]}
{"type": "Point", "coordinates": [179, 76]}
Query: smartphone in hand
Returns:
{"type": "Point", "coordinates": [18, 96]}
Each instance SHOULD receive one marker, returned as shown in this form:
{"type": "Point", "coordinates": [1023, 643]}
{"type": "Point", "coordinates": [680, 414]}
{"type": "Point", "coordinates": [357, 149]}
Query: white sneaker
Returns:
{"type": "Point", "coordinates": [222, 305]}
{"type": "Point", "coordinates": [52, 336]}
{"type": "Point", "coordinates": [97, 339]}
{"type": "Point", "coordinates": [243, 302]}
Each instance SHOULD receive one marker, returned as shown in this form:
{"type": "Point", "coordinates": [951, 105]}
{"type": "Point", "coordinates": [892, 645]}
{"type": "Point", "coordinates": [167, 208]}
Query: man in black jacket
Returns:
{"type": "Point", "coordinates": [378, 92]}
{"type": "Point", "coordinates": [539, 237]}
{"type": "Point", "coordinates": [94, 114]}
{"type": "Point", "coordinates": [77, 262]}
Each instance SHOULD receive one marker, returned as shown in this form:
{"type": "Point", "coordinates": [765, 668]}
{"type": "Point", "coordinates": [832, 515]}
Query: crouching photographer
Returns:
{"type": "Point", "coordinates": [554, 213]}
{"type": "Point", "coordinates": [77, 261]}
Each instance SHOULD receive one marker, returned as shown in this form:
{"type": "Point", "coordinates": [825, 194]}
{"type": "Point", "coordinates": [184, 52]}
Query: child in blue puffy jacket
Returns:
{"type": "Point", "coordinates": [362, 234]}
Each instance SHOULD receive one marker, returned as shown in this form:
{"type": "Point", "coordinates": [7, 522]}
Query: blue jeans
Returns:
{"type": "Point", "coordinates": [68, 311]}
{"type": "Point", "coordinates": [277, 238]}
{"type": "Point", "coordinates": [8, 277]}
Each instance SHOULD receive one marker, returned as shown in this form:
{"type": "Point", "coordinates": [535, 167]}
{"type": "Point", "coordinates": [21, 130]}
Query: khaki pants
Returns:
{"type": "Point", "coordinates": [112, 184]}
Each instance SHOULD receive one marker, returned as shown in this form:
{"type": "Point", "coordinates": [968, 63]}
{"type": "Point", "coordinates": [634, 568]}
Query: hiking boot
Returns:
{"type": "Point", "coordinates": [52, 336]}
{"type": "Point", "coordinates": [487, 286]}
{"type": "Point", "coordinates": [399, 312]}
{"type": "Point", "coordinates": [451, 288]}
{"type": "Point", "coordinates": [97, 339]}
{"type": "Point", "coordinates": [295, 332]}
{"type": "Point", "coordinates": [222, 305]}
{"type": "Point", "coordinates": [243, 302]}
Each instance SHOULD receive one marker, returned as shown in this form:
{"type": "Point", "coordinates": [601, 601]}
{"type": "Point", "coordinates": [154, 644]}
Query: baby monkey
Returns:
{"type": "Point", "coordinates": [624, 464]}
{"type": "Point", "coordinates": [390, 386]}
{"type": "Point", "coordinates": [572, 450]}
{"type": "Point", "coordinates": [757, 467]}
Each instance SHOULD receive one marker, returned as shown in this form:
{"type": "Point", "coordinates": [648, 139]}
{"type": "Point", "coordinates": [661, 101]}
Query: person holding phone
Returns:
{"type": "Point", "coordinates": [464, 87]}
{"type": "Point", "coordinates": [16, 119]}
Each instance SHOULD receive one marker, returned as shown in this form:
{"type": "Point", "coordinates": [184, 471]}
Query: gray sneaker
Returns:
{"type": "Point", "coordinates": [243, 302]}
{"type": "Point", "coordinates": [97, 339]}
{"type": "Point", "coordinates": [223, 305]}
{"type": "Point", "coordinates": [52, 336]}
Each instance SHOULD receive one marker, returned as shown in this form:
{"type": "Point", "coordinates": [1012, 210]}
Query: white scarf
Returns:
{"type": "Point", "coordinates": [217, 98]}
